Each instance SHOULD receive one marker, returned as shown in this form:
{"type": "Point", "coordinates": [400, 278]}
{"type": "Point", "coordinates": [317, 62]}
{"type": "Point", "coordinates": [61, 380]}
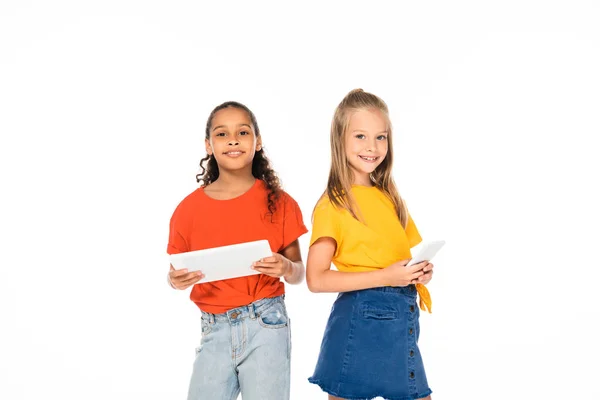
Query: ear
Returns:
{"type": "Point", "coordinates": [258, 143]}
{"type": "Point", "coordinates": [208, 147]}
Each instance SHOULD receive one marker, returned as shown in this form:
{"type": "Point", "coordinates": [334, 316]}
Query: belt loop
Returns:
{"type": "Point", "coordinates": [252, 311]}
{"type": "Point", "coordinates": [211, 319]}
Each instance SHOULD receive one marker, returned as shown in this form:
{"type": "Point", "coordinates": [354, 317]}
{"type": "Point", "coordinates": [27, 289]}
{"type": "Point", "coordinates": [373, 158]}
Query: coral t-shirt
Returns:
{"type": "Point", "coordinates": [201, 222]}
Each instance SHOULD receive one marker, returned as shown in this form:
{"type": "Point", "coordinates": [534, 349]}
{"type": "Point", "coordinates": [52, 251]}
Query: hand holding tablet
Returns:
{"type": "Point", "coordinates": [225, 262]}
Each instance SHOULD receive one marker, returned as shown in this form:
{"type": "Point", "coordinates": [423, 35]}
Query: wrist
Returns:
{"type": "Point", "coordinates": [384, 277]}
{"type": "Point", "coordinates": [290, 269]}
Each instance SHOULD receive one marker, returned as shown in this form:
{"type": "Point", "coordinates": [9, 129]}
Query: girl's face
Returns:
{"type": "Point", "coordinates": [366, 144]}
{"type": "Point", "coordinates": [232, 139]}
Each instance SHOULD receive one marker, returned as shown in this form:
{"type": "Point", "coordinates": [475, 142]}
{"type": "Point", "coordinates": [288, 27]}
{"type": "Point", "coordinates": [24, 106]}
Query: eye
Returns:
{"type": "Point", "coordinates": [360, 136]}
{"type": "Point", "coordinates": [220, 134]}
{"type": "Point", "coordinates": [382, 137]}
{"type": "Point", "coordinates": [244, 133]}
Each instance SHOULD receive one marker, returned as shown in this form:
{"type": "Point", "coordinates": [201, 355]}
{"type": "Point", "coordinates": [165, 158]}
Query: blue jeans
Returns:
{"type": "Point", "coordinates": [247, 350]}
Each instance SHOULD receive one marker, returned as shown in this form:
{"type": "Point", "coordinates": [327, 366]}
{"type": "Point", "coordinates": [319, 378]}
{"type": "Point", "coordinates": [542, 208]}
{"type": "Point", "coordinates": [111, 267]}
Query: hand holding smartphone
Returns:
{"type": "Point", "coordinates": [427, 251]}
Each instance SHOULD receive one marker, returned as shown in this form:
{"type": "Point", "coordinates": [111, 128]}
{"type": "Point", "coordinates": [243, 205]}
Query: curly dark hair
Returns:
{"type": "Point", "coordinates": [261, 166]}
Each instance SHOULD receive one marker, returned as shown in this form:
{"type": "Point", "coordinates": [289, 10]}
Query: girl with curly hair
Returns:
{"type": "Point", "coordinates": [245, 345]}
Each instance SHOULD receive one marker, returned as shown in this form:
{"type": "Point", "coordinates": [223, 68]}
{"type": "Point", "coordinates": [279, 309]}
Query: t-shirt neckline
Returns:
{"type": "Point", "coordinates": [246, 193]}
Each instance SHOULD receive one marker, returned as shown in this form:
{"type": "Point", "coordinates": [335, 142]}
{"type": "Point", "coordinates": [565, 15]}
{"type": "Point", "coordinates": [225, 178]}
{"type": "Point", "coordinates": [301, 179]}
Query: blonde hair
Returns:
{"type": "Point", "coordinates": [341, 176]}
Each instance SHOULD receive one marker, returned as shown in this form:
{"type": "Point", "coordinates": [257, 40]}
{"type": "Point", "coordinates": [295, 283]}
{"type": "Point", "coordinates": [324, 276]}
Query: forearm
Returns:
{"type": "Point", "coordinates": [337, 281]}
{"type": "Point", "coordinates": [296, 274]}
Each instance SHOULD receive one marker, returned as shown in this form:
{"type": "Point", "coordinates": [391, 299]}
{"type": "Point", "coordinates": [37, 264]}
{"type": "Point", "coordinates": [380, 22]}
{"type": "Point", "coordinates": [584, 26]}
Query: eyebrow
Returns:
{"type": "Point", "coordinates": [362, 130]}
{"type": "Point", "coordinates": [223, 126]}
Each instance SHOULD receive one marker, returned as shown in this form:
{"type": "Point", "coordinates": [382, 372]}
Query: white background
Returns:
{"type": "Point", "coordinates": [102, 111]}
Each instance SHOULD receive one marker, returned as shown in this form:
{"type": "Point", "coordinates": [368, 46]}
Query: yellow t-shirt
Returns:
{"type": "Point", "coordinates": [377, 243]}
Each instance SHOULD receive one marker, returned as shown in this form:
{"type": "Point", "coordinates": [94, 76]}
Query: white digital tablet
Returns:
{"type": "Point", "coordinates": [226, 262]}
{"type": "Point", "coordinates": [427, 251]}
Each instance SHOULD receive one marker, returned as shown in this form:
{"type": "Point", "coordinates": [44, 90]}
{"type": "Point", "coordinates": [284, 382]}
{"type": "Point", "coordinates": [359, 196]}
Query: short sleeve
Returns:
{"type": "Point", "coordinates": [414, 238]}
{"type": "Point", "coordinates": [326, 222]}
{"type": "Point", "coordinates": [177, 242]}
{"type": "Point", "coordinates": [293, 223]}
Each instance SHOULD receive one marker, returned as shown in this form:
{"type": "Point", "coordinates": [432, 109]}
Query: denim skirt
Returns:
{"type": "Point", "coordinates": [369, 348]}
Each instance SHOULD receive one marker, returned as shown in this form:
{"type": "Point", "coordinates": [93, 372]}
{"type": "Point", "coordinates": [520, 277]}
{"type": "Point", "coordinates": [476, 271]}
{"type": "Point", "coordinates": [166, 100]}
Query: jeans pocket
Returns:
{"type": "Point", "coordinates": [206, 327]}
{"type": "Point", "coordinates": [274, 317]}
{"type": "Point", "coordinates": [378, 311]}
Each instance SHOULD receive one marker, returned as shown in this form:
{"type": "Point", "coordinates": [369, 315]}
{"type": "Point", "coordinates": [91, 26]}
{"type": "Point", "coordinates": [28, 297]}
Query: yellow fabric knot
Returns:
{"type": "Point", "coordinates": [424, 297]}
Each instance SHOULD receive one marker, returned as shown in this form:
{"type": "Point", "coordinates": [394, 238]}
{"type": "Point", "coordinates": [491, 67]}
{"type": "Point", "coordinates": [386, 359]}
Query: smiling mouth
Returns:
{"type": "Point", "coordinates": [234, 153]}
{"type": "Point", "coordinates": [368, 159]}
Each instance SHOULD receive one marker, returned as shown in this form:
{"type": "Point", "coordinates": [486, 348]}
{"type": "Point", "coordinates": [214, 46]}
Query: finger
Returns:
{"type": "Point", "coordinates": [264, 265]}
{"type": "Point", "coordinates": [428, 267]}
{"type": "Point", "coordinates": [191, 280]}
{"type": "Point", "coordinates": [270, 259]}
{"type": "Point", "coordinates": [178, 272]}
{"type": "Point", "coordinates": [185, 277]}
{"type": "Point", "coordinates": [426, 277]}
{"type": "Point", "coordinates": [185, 286]}
{"type": "Point", "coordinates": [416, 275]}
{"type": "Point", "coordinates": [195, 275]}
{"type": "Point", "coordinates": [266, 270]}
{"type": "Point", "coordinates": [189, 276]}
{"type": "Point", "coordinates": [276, 273]}
{"type": "Point", "coordinates": [418, 267]}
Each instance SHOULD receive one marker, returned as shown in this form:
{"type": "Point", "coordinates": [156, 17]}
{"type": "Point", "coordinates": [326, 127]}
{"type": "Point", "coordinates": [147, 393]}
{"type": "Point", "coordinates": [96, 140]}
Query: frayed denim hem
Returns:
{"type": "Point", "coordinates": [327, 388]}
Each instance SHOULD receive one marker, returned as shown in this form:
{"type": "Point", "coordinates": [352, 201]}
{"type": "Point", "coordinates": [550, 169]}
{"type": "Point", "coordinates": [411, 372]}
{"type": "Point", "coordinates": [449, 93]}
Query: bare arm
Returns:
{"type": "Point", "coordinates": [296, 271]}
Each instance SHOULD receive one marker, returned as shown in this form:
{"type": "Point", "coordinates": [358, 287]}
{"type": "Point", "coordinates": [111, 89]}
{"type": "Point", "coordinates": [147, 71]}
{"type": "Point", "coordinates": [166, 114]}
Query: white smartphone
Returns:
{"type": "Point", "coordinates": [427, 251]}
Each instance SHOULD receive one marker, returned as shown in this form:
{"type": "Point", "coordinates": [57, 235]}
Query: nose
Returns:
{"type": "Point", "coordinates": [371, 145]}
{"type": "Point", "coordinates": [233, 141]}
